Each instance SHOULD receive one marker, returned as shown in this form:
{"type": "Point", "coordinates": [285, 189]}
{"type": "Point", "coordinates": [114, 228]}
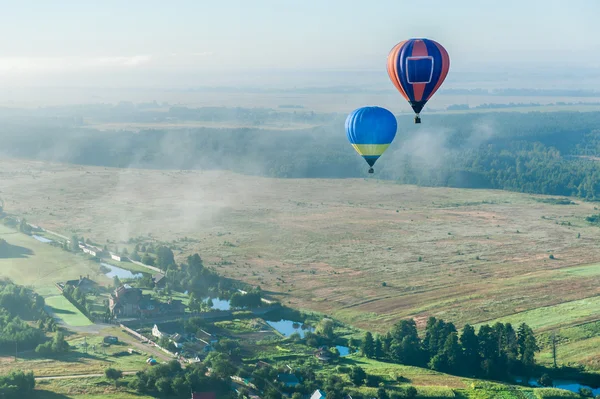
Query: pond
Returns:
{"type": "Point", "coordinates": [219, 304]}
{"type": "Point", "coordinates": [289, 327]}
{"type": "Point", "coordinates": [121, 273]}
{"type": "Point", "coordinates": [344, 350]}
{"type": "Point", "coordinates": [41, 239]}
{"type": "Point", "coordinates": [567, 385]}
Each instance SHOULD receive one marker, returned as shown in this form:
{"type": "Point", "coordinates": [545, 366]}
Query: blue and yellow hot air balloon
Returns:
{"type": "Point", "coordinates": [371, 130]}
{"type": "Point", "coordinates": [418, 67]}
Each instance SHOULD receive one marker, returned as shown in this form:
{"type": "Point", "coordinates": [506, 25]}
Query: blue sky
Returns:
{"type": "Point", "coordinates": [66, 38]}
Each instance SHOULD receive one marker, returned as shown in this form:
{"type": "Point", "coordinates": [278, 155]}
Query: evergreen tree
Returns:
{"type": "Point", "coordinates": [379, 354]}
{"type": "Point", "coordinates": [368, 345]}
{"type": "Point", "coordinates": [453, 354]}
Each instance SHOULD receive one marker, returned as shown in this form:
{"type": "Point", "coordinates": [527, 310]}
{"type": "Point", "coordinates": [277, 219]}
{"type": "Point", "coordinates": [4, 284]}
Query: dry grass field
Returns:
{"type": "Point", "coordinates": [329, 245]}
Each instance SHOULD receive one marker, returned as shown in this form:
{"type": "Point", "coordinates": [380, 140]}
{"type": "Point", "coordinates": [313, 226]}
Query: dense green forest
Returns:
{"type": "Point", "coordinates": [17, 384]}
{"type": "Point", "coordinates": [549, 153]}
{"type": "Point", "coordinates": [496, 351]}
{"type": "Point", "coordinates": [18, 304]}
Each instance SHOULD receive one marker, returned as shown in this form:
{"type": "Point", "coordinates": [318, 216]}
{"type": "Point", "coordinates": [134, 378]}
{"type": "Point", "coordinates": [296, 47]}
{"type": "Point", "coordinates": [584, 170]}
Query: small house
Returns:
{"type": "Point", "coordinates": [109, 339]}
{"type": "Point", "coordinates": [159, 280]}
{"type": "Point", "coordinates": [323, 355]}
{"type": "Point", "coordinates": [83, 283]}
{"type": "Point", "coordinates": [175, 306]}
{"type": "Point", "coordinates": [125, 301]}
{"type": "Point", "coordinates": [156, 332]}
{"type": "Point", "coordinates": [116, 257]}
{"type": "Point", "coordinates": [318, 394]}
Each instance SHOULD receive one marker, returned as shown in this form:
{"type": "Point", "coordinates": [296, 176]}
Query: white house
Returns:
{"type": "Point", "coordinates": [89, 251]}
{"type": "Point", "coordinates": [318, 394]}
{"type": "Point", "coordinates": [156, 332]}
{"type": "Point", "coordinates": [115, 257]}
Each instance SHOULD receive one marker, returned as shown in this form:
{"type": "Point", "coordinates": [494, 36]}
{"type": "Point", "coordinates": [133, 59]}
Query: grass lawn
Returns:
{"type": "Point", "coordinates": [62, 308]}
{"type": "Point", "coordinates": [76, 361]}
{"type": "Point", "coordinates": [556, 316]}
{"type": "Point", "coordinates": [576, 344]}
{"type": "Point", "coordinates": [41, 265]}
{"type": "Point", "coordinates": [41, 393]}
{"type": "Point", "coordinates": [185, 299]}
{"type": "Point", "coordinates": [241, 326]}
{"type": "Point", "coordinates": [414, 375]}
{"type": "Point", "coordinates": [84, 388]}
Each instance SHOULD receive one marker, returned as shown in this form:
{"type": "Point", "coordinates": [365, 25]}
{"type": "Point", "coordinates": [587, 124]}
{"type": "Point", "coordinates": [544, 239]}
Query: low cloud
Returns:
{"type": "Point", "coordinates": [75, 63]}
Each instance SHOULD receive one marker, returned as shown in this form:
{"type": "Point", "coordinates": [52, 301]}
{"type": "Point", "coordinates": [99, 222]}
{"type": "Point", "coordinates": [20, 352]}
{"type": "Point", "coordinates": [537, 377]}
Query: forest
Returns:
{"type": "Point", "coordinates": [547, 153]}
{"type": "Point", "coordinates": [18, 305]}
{"type": "Point", "coordinates": [495, 352]}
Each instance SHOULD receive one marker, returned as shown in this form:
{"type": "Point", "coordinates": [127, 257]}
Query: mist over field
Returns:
{"type": "Point", "coordinates": [182, 213]}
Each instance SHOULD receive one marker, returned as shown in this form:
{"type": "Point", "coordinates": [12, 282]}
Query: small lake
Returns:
{"type": "Point", "coordinates": [567, 385]}
{"type": "Point", "coordinates": [344, 350]}
{"type": "Point", "coordinates": [41, 239]}
{"type": "Point", "coordinates": [120, 273]}
{"type": "Point", "coordinates": [289, 327]}
{"type": "Point", "coordinates": [219, 304]}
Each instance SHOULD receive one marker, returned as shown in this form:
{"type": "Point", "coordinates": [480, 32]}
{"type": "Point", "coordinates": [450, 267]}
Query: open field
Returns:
{"type": "Point", "coordinates": [79, 362]}
{"type": "Point", "coordinates": [389, 372]}
{"type": "Point", "coordinates": [328, 245]}
{"type": "Point", "coordinates": [60, 307]}
{"type": "Point", "coordinates": [83, 388]}
{"type": "Point", "coordinates": [41, 265]}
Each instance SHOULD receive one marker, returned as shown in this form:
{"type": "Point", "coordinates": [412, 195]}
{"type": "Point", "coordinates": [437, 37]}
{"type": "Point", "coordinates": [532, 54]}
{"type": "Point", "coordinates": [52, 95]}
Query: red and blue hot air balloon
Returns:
{"type": "Point", "coordinates": [371, 130]}
{"type": "Point", "coordinates": [418, 67]}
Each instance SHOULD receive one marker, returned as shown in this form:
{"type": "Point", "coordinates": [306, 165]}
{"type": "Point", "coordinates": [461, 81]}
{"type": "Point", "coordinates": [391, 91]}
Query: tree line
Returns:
{"type": "Point", "coordinates": [547, 153]}
{"type": "Point", "coordinates": [17, 384]}
{"type": "Point", "coordinates": [170, 380]}
{"type": "Point", "coordinates": [496, 351]}
{"type": "Point", "coordinates": [17, 306]}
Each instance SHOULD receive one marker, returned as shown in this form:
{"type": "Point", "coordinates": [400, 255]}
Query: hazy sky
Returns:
{"type": "Point", "coordinates": [147, 39]}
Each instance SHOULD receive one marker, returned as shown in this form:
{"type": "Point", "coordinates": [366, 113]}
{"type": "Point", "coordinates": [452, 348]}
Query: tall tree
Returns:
{"type": "Point", "coordinates": [368, 345]}
{"type": "Point", "coordinates": [74, 243]}
{"type": "Point", "coordinates": [530, 348]}
{"type": "Point", "coordinates": [164, 257]}
{"type": "Point", "coordinates": [470, 345]}
{"type": "Point", "coordinates": [378, 350]}
{"type": "Point", "coordinates": [324, 328]}
{"type": "Point", "coordinates": [453, 354]}
{"type": "Point", "coordinates": [358, 375]}
{"type": "Point", "coordinates": [113, 374]}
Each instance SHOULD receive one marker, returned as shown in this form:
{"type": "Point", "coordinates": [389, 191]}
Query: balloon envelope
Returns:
{"type": "Point", "coordinates": [418, 67]}
{"type": "Point", "coordinates": [371, 130]}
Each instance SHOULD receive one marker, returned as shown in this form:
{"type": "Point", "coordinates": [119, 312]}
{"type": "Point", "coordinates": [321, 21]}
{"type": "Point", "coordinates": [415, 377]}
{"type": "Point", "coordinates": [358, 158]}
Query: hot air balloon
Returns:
{"type": "Point", "coordinates": [418, 67]}
{"type": "Point", "coordinates": [371, 130]}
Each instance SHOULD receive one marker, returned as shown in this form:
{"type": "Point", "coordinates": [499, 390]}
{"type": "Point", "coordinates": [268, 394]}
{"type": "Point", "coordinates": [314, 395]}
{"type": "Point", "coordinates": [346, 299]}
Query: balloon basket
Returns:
{"type": "Point", "coordinates": [417, 119]}
{"type": "Point", "coordinates": [371, 170]}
